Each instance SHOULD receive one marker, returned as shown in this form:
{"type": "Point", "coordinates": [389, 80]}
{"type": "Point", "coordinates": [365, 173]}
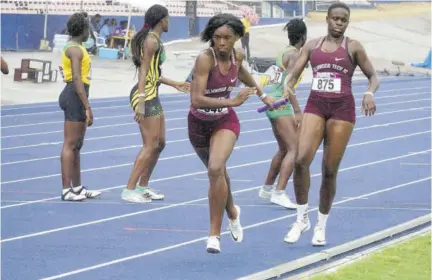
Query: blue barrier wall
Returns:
{"type": "Point", "coordinates": [21, 32]}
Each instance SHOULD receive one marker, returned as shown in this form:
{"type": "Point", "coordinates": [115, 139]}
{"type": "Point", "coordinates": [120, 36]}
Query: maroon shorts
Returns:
{"type": "Point", "coordinates": [201, 131]}
{"type": "Point", "coordinates": [337, 108]}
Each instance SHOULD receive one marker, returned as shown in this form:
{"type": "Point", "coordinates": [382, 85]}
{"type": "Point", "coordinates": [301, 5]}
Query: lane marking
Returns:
{"type": "Point", "coordinates": [194, 154]}
{"type": "Point", "coordinates": [239, 112]}
{"type": "Point", "coordinates": [193, 241]}
{"type": "Point", "coordinates": [167, 230]}
{"type": "Point", "coordinates": [356, 83]}
{"type": "Point", "coordinates": [181, 140]}
{"type": "Point", "coordinates": [185, 128]}
{"type": "Point", "coordinates": [186, 109]}
{"type": "Point", "coordinates": [112, 218]}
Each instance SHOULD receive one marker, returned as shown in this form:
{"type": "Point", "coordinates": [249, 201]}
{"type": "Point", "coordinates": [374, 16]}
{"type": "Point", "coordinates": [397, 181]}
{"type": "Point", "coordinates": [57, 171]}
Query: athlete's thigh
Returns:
{"type": "Point", "coordinates": [221, 146]}
{"type": "Point", "coordinates": [338, 134]}
{"type": "Point", "coordinates": [311, 135]}
{"type": "Point", "coordinates": [286, 131]}
{"type": "Point", "coordinates": [150, 130]}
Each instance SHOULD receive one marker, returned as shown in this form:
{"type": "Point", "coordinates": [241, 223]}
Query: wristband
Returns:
{"type": "Point", "coordinates": [369, 93]}
{"type": "Point", "coordinates": [263, 96]}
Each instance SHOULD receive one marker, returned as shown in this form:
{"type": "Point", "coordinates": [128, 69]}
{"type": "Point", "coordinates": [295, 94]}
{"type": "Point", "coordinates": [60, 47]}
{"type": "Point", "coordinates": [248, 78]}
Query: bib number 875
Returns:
{"type": "Point", "coordinates": [325, 84]}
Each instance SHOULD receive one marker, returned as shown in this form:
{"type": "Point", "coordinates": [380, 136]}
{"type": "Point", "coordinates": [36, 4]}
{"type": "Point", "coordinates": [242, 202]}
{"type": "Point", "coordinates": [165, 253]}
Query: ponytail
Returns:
{"type": "Point", "coordinates": [137, 45]}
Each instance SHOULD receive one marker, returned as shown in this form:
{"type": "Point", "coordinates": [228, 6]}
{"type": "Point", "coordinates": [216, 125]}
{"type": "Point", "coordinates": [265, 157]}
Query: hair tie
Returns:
{"type": "Point", "coordinates": [146, 25]}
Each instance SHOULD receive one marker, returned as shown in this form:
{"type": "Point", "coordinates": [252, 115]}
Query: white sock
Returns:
{"type": "Point", "coordinates": [322, 220]}
{"type": "Point", "coordinates": [65, 191]}
{"type": "Point", "coordinates": [268, 187]}
{"type": "Point", "coordinates": [302, 215]}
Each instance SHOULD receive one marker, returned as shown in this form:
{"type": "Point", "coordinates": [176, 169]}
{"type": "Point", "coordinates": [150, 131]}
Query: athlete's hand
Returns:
{"type": "Point", "coordinates": [182, 86]}
{"type": "Point", "coordinates": [298, 116]}
{"type": "Point", "coordinates": [287, 92]}
{"type": "Point", "coordinates": [140, 108]}
{"type": "Point", "coordinates": [268, 100]}
{"type": "Point", "coordinates": [243, 95]}
{"type": "Point", "coordinates": [89, 116]}
{"type": "Point", "coordinates": [368, 106]}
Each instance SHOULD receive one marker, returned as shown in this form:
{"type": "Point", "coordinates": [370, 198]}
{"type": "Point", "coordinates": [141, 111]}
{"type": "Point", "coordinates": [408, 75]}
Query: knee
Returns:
{"type": "Point", "coordinates": [301, 162]}
{"type": "Point", "coordinates": [155, 145]}
{"type": "Point", "coordinates": [74, 145]}
{"type": "Point", "coordinates": [216, 169]}
{"type": "Point", "coordinates": [330, 172]}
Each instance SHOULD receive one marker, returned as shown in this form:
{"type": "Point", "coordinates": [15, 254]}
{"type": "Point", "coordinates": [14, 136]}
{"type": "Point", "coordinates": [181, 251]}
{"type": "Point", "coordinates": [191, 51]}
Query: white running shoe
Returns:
{"type": "Point", "coordinates": [154, 195]}
{"type": "Point", "coordinates": [135, 197]}
{"type": "Point", "coordinates": [87, 193]}
{"type": "Point", "coordinates": [265, 192]}
{"type": "Point", "coordinates": [319, 238]}
{"type": "Point", "coordinates": [70, 195]}
{"type": "Point", "coordinates": [282, 199]}
{"type": "Point", "coordinates": [213, 245]}
{"type": "Point", "coordinates": [297, 229]}
{"type": "Point", "coordinates": [235, 227]}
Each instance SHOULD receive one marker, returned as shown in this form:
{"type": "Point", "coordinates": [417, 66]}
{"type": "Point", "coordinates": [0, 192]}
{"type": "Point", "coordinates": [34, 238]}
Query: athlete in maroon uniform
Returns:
{"type": "Point", "coordinates": [329, 114]}
{"type": "Point", "coordinates": [212, 122]}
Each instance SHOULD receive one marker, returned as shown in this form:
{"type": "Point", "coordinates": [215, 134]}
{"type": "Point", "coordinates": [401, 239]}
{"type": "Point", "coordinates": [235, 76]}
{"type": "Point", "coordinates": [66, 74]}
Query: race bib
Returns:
{"type": "Point", "coordinates": [214, 111]}
{"type": "Point", "coordinates": [326, 82]}
{"type": "Point", "coordinates": [276, 74]}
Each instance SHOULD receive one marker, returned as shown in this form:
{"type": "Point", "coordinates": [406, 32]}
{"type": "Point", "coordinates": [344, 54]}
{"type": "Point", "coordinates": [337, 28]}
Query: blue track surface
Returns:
{"type": "Point", "coordinates": [384, 181]}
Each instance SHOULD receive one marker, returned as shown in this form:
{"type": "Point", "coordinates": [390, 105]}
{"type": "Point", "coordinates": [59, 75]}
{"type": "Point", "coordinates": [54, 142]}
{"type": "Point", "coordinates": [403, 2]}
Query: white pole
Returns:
{"type": "Point", "coordinates": [304, 8]}
{"type": "Point", "coordinates": [127, 31]}
{"type": "Point", "coordinates": [46, 20]}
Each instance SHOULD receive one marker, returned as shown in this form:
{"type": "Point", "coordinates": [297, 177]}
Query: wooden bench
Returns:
{"type": "Point", "coordinates": [27, 71]}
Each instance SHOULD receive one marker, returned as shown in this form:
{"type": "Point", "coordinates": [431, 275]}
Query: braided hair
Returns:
{"type": "Point", "coordinates": [296, 29]}
{"type": "Point", "coordinates": [77, 24]}
{"type": "Point", "coordinates": [152, 17]}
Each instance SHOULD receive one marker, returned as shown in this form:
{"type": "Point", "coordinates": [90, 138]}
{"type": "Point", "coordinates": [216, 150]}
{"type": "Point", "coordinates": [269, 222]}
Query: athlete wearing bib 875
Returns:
{"type": "Point", "coordinates": [329, 114]}
{"type": "Point", "coordinates": [212, 122]}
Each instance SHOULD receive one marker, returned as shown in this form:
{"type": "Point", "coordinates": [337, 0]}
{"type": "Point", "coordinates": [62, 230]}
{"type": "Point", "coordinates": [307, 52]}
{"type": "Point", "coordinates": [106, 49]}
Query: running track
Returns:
{"type": "Point", "coordinates": [384, 181]}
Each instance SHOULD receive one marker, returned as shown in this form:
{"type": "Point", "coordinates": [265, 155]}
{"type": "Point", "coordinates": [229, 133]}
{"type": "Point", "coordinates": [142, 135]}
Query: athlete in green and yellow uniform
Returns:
{"type": "Point", "coordinates": [276, 89]}
{"type": "Point", "coordinates": [73, 100]}
{"type": "Point", "coordinates": [285, 120]}
{"type": "Point", "coordinates": [148, 55]}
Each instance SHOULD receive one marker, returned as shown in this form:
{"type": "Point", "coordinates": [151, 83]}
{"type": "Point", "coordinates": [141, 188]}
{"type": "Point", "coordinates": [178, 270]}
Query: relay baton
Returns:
{"type": "Point", "coordinates": [276, 105]}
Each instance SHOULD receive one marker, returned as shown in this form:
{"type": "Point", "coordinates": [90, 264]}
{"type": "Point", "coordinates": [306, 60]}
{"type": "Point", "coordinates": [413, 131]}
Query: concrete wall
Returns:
{"type": "Point", "coordinates": [23, 32]}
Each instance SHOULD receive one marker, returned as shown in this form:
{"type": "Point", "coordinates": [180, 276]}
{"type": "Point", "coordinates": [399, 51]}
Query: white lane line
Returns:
{"type": "Point", "coordinates": [174, 119]}
{"type": "Point", "coordinates": [185, 139]}
{"type": "Point", "coordinates": [182, 203]}
{"type": "Point", "coordinates": [186, 109]}
{"type": "Point", "coordinates": [93, 101]}
{"type": "Point", "coordinates": [193, 154]}
{"type": "Point", "coordinates": [183, 128]}
{"type": "Point", "coordinates": [193, 241]}
{"type": "Point", "coordinates": [176, 177]}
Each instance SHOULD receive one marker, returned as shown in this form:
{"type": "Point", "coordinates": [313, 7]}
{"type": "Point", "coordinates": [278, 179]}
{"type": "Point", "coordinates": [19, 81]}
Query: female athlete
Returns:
{"type": "Point", "coordinates": [148, 55]}
{"type": "Point", "coordinates": [73, 100]}
{"type": "Point", "coordinates": [212, 123]}
{"type": "Point", "coordinates": [329, 114]}
{"type": "Point", "coordinates": [285, 119]}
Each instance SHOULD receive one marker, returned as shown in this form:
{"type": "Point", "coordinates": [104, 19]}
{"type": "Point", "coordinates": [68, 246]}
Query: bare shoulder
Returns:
{"type": "Point", "coordinates": [312, 43]}
{"type": "Point", "coordinates": [240, 54]}
{"type": "Point", "coordinates": [355, 45]}
{"type": "Point", "coordinates": [151, 44]}
{"type": "Point", "coordinates": [204, 60]}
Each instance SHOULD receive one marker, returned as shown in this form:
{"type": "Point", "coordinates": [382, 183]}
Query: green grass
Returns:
{"type": "Point", "coordinates": [410, 260]}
